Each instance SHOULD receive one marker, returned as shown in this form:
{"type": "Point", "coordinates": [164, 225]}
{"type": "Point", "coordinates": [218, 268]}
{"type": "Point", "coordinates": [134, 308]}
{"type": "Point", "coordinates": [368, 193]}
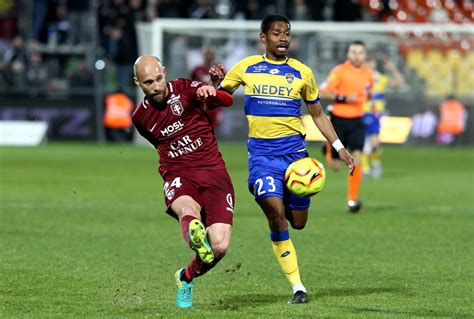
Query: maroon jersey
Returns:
{"type": "Point", "coordinates": [201, 73]}
{"type": "Point", "coordinates": [179, 129]}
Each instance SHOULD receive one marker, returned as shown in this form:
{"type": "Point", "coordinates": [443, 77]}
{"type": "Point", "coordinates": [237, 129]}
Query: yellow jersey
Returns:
{"type": "Point", "coordinates": [378, 93]}
{"type": "Point", "coordinates": [273, 93]}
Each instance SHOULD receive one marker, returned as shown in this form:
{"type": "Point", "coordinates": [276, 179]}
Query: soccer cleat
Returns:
{"type": "Point", "coordinates": [353, 206]}
{"type": "Point", "coordinates": [184, 296]}
{"type": "Point", "coordinates": [299, 297]}
{"type": "Point", "coordinates": [200, 244]}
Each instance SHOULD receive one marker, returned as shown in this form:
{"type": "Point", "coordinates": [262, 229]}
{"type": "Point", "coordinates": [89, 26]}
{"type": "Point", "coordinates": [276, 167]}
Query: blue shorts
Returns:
{"type": "Point", "coordinates": [371, 124]}
{"type": "Point", "coordinates": [267, 178]}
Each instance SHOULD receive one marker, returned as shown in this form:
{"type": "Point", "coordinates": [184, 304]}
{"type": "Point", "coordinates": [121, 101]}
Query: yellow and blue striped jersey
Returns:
{"type": "Point", "coordinates": [273, 93]}
{"type": "Point", "coordinates": [378, 92]}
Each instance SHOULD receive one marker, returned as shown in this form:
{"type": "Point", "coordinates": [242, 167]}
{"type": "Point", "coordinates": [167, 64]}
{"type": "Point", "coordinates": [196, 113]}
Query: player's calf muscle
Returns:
{"type": "Point", "coordinates": [299, 218]}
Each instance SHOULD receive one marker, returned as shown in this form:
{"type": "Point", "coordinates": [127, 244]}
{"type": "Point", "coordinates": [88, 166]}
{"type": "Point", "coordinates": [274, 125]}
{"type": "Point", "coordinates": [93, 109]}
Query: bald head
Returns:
{"type": "Point", "coordinates": [145, 63]}
{"type": "Point", "coordinates": [150, 75]}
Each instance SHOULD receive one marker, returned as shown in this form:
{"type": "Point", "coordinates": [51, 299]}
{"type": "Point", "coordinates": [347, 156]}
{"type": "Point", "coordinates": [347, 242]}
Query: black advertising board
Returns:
{"type": "Point", "coordinates": [68, 117]}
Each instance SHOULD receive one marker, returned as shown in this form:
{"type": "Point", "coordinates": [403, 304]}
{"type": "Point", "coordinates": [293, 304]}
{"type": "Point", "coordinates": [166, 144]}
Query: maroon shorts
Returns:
{"type": "Point", "coordinates": [212, 189]}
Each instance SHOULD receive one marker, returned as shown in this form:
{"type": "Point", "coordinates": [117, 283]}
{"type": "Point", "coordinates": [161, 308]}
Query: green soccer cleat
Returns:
{"type": "Point", "coordinates": [184, 296]}
{"type": "Point", "coordinates": [200, 244]}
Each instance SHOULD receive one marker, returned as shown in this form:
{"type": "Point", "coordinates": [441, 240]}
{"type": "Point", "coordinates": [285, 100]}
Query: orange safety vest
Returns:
{"type": "Point", "coordinates": [451, 117]}
{"type": "Point", "coordinates": [118, 110]}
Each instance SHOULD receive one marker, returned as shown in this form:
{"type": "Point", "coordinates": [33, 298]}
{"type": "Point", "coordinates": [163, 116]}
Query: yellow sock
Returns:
{"type": "Point", "coordinates": [377, 155]}
{"type": "Point", "coordinates": [365, 163]}
{"type": "Point", "coordinates": [285, 253]}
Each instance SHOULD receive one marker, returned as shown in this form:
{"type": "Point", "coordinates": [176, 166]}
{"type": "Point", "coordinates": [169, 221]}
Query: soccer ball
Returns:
{"type": "Point", "coordinates": [305, 177]}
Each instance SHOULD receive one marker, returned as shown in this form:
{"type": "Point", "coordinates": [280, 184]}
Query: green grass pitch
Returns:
{"type": "Point", "coordinates": [83, 234]}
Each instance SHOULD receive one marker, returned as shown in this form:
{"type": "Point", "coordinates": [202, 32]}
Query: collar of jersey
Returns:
{"type": "Point", "coordinates": [274, 62]}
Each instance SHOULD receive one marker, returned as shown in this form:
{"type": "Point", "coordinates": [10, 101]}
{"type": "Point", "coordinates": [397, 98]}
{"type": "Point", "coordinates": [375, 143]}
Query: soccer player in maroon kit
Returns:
{"type": "Point", "coordinates": [198, 190]}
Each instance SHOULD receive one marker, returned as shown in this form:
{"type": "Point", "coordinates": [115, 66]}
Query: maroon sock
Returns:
{"type": "Point", "coordinates": [198, 268]}
{"type": "Point", "coordinates": [185, 227]}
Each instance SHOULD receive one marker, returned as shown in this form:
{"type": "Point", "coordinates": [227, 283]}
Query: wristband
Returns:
{"type": "Point", "coordinates": [340, 98]}
{"type": "Point", "coordinates": [337, 144]}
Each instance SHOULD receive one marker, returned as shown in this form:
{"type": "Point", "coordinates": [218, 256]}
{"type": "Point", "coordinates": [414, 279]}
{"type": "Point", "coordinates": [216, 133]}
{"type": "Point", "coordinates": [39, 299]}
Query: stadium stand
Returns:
{"type": "Point", "coordinates": [451, 56]}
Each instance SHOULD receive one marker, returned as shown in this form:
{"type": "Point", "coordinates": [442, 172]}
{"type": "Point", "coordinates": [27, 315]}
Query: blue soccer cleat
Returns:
{"type": "Point", "coordinates": [200, 244]}
{"type": "Point", "coordinates": [184, 296]}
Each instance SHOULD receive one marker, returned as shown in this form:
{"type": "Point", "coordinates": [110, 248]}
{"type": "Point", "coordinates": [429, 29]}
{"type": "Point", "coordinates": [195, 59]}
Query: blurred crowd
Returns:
{"type": "Point", "coordinates": [45, 44]}
{"type": "Point", "coordinates": [57, 44]}
{"type": "Point", "coordinates": [42, 45]}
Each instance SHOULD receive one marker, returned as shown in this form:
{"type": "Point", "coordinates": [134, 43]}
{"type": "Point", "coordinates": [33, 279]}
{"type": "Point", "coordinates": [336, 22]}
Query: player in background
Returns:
{"type": "Point", "coordinates": [372, 154]}
{"type": "Point", "coordinates": [348, 86]}
{"type": "Point", "coordinates": [198, 190]}
{"type": "Point", "coordinates": [201, 73]}
{"type": "Point", "coordinates": [274, 85]}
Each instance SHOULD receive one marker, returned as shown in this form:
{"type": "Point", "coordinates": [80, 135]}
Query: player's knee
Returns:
{"type": "Point", "coordinates": [298, 219]}
{"type": "Point", "coordinates": [298, 222]}
{"type": "Point", "coordinates": [220, 248]}
{"type": "Point", "coordinates": [298, 225]}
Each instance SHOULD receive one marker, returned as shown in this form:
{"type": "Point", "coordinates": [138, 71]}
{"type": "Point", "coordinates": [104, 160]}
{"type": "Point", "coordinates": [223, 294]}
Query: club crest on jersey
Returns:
{"type": "Point", "coordinates": [177, 109]}
{"type": "Point", "coordinates": [175, 105]}
{"type": "Point", "coordinates": [289, 77]}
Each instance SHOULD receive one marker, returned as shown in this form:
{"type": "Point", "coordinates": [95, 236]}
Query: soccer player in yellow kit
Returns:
{"type": "Point", "coordinates": [371, 156]}
{"type": "Point", "coordinates": [274, 85]}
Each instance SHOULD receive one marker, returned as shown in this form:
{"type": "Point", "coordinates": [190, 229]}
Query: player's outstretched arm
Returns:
{"type": "Point", "coordinates": [326, 128]}
{"type": "Point", "coordinates": [213, 97]}
{"type": "Point", "coordinates": [396, 79]}
{"type": "Point", "coordinates": [217, 74]}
